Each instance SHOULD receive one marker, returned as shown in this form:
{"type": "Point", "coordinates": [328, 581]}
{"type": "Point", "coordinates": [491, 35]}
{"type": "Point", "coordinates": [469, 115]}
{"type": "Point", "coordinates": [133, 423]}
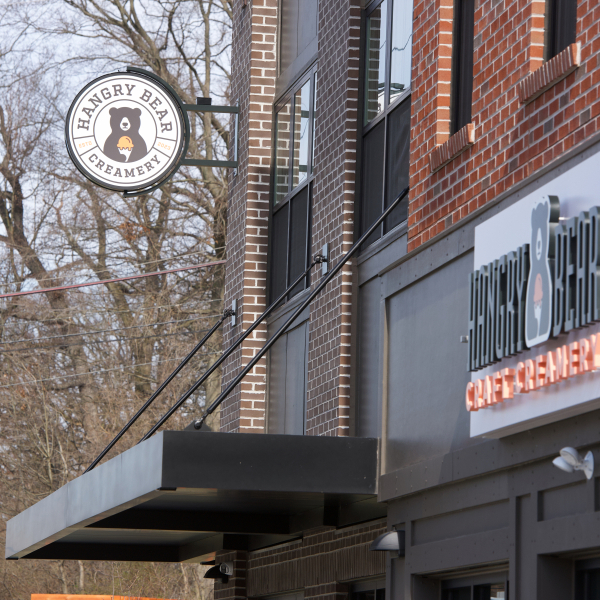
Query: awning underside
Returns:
{"type": "Point", "coordinates": [182, 495]}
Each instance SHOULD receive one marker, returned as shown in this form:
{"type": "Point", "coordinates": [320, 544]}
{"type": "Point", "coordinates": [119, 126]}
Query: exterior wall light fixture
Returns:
{"type": "Point", "coordinates": [570, 460]}
{"type": "Point", "coordinates": [393, 541]}
{"type": "Point", "coordinates": [222, 571]}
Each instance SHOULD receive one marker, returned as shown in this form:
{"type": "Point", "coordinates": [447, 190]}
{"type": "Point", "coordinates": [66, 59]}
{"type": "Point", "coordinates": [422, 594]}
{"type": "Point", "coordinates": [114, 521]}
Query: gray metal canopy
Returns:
{"type": "Point", "coordinates": [182, 495]}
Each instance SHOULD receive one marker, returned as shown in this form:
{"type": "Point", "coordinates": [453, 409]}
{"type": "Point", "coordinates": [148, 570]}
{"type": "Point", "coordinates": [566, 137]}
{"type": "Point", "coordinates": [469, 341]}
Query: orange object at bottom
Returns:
{"type": "Point", "coordinates": [85, 597]}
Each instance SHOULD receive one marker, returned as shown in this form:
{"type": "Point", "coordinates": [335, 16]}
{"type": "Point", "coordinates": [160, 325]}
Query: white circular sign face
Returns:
{"type": "Point", "coordinates": [125, 131]}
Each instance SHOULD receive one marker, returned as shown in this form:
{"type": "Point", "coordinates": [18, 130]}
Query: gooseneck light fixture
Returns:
{"type": "Point", "coordinates": [570, 460]}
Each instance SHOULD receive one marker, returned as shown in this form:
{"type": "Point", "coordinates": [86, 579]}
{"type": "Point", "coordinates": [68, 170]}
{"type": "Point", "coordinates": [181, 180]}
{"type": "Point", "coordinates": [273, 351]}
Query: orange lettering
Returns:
{"type": "Point", "coordinates": [470, 397]}
{"type": "Point", "coordinates": [521, 388]}
{"type": "Point", "coordinates": [497, 387]}
{"type": "Point", "coordinates": [540, 367]}
{"type": "Point", "coordinates": [562, 363]}
{"type": "Point", "coordinates": [551, 376]}
{"type": "Point", "coordinates": [508, 383]}
{"type": "Point", "coordinates": [595, 343]}
{"type": "Point", "coordinates": [530, 379]}
{"type": "Point", "coordinates": [479, 387]}
{"type": "Point", "coordinates": [586, 359]}
{"type": "Point", "coordinates": [488, 392]}
{"type": "Point", "coordinates": [574, 359]}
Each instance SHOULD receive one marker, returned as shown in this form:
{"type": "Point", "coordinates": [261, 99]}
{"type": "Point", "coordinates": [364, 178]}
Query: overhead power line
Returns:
{"type": "Point", "coordinates": [95, 342]}
{"type": "Point", "coordinates": [68, 335]}
{"type": "Point", "coordinates": [70, 266]}
{"type": "Point", "coordinates": [105, 281]}
{"type": "Point", "coordinates": [157, 362]}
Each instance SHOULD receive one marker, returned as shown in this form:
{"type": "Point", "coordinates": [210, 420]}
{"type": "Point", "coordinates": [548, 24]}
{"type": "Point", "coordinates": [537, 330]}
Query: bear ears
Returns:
{"type": "Point", "coordinates": [115, 111]}
{"type": "Point", "coordinates": [540, 214]}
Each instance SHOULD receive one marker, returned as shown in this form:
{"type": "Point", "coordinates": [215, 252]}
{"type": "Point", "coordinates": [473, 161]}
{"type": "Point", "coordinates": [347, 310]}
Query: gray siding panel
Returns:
{"type": "Point", "coordinates": [295, 384]}
{"type": "Point", "coordinates": [287, 382]}
{"type": "Point", "coordinates": [427, 373]}
{"type": "Point", "coordinates": [368, 401]}
{"type": "Point", "coordinates": [277, 369]}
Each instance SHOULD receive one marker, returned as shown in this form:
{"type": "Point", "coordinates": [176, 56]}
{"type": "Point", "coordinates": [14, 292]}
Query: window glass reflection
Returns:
{"type": "Point", "coordinates": [301, 134]}
{"type": "Point", "coordinates": [401, 50]}
{"type": "Point", "coordinates": [282, 158]}
{"type": "Point", "coordinates": [375, 63]}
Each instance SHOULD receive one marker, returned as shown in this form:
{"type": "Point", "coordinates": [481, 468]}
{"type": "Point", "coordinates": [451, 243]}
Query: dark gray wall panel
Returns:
{"type": "Point", "coordinates": [298, 33]}
{"type": "Point", "coordinates": [465, 522]}
{"type": "Point", "coordinates": [370, 347]}
{"type": "Point", "coordinates": [427, 373]}
{"type": "Point", "coordinates": [295, 382]}
{"type": "Point", "coordinates": [277, 368]}
{"type": "Point", "coordinates": [307, 23]}
{"type": "Point", "coordinates": [287, 382]}
{"type": "Point", "coordinates": [288, 39]}
{"type": "Point", "coordinates": [563, 501]}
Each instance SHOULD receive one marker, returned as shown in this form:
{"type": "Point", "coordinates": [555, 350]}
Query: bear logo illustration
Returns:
{"type": "Point", "coordinates": [125, 144]}
{"type": "Point", "coordinates": [538, 315]}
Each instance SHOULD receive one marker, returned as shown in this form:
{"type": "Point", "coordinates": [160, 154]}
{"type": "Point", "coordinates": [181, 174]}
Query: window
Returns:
{"type": "Point", "coordinates": [587, 580]}
{"type": "Point", "coordinates": [292, 187]}
{"type": "Point", "coordinates": [371, 589]}
{"type": "Point", "coordinates": [461, 94]}
{"type": "Point", "coordinates": [386, 113]}
{"type": "Point", "coordinates": [475, 588]}
{"type": "Point", "coordinates": [561, 25]}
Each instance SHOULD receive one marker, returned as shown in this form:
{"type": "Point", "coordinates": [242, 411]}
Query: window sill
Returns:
{"type": "Point", "coordinates": [285, 310]}
{"type": "Point", "coordinates": [550, 73]}
{"type": "Point", "coordinates": [383, 242]}
{"type": "Point", "coordinates": [452, 147]}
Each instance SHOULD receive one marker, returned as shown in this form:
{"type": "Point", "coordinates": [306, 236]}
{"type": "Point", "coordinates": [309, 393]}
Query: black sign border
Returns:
{"type": "Point", "coordinates": [183, 144]}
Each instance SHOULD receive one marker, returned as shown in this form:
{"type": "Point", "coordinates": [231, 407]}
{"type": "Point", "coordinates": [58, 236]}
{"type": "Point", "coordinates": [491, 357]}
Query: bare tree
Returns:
{"type": "Point", "coordinates": [76, 364]}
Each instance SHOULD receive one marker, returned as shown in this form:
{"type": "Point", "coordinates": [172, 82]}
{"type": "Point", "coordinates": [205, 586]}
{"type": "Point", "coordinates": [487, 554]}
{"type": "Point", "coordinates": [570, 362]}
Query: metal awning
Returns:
{"type": "Point", "coordinates": [182, 495]}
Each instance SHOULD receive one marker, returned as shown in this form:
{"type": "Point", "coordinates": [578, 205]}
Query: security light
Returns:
{"type": "Point", "coordinates": [570, 460]}
{"type": "Point", "coordinates": [393, 540]}
{"type": "Point", "coordinates": [222, 571]}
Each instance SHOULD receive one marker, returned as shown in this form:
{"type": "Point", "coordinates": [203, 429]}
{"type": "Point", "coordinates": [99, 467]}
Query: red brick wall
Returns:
{"type": "Point", "coordinates": [512, 140]}
{"type": "Point", "coordinates": [328, 402]}
{"type": "Point", "coordinates": [254, 69]}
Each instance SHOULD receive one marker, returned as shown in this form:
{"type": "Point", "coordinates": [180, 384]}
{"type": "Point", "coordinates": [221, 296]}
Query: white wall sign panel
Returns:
{"type": "Point", "coordinates": [579, 390]}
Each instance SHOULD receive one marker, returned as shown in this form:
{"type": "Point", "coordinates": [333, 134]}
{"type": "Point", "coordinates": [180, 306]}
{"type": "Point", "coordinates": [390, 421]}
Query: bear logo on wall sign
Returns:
{"type": "Point", "coordinates": [538, 311]}
{"type": "Point", "coordinates": [125, 144]}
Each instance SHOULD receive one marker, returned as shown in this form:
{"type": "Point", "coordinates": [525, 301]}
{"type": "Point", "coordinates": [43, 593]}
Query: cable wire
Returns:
{"type": "Point", "coordinates": [157, 362]}
{"type": "Point", "coordinates": [105, 281]}
{"type": "Point", "coordinates": [94, 342]}
{"type": "Point", "coordinates": [149, 262]}
{"type": "Point", "coordinates": [68, 335]}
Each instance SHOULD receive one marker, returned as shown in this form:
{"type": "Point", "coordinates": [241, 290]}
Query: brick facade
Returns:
{"type": "Point", "coordinates": [315, 564]}
{"type": "Point", "coordinates": [512, 140]}
{"type": "Point", "coordinates": [254, 64]}
{"type": "Point", "coordinates": [254, 68]}
{"type": "Point", "coordinates": [328, 403]}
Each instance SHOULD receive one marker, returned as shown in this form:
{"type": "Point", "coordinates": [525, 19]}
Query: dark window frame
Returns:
{"type": "Point", "coordinates": [560, 26]}
{"type": "Point", "coordinates": [475, 581]}
{"type": "Point", "coordinates": [365, 128]}
{"type": "Point", "coordinates": [461, 78]}
{"type": "Point", "coordinates": [293, 192]}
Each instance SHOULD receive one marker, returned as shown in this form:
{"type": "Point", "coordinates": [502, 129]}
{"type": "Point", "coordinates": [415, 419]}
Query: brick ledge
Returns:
{"type": "Point", "coordinates": [452, 147]}
{"type": "Point", "coordinates": [550, 73]}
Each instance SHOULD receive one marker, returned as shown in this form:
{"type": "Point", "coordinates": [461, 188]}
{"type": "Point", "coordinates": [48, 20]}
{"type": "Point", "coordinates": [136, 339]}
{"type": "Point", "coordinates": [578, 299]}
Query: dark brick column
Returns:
{"type": "Point", "coordinates": [235, 588]}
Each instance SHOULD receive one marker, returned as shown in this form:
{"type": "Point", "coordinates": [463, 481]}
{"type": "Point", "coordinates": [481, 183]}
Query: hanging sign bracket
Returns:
{"type": "Point", "coordinates": [204, 105]}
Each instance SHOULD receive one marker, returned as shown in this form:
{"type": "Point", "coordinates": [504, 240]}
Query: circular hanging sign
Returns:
{"type": "Point", "coordinates": [126, 131]}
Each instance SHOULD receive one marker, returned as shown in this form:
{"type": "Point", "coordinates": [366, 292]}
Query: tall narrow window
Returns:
{"type": "Point", "coordinates": [386, 112]}
{"type": "Point", "coordinates": [561, 25]}
{"type": "Point", "coordinates": [461, 97]}
{"type": "Point", "coordinates": [292, 186]}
